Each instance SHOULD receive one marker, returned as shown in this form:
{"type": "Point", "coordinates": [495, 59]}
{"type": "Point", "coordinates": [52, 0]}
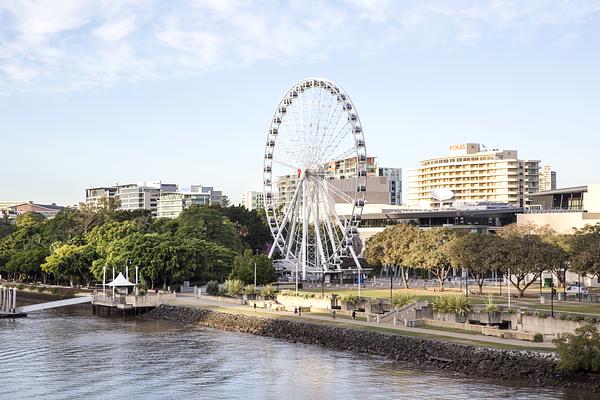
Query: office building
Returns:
{"type": "Point", "coordinates": [547, 179]}
{"type": "Point", "coordinates": [472, 174]}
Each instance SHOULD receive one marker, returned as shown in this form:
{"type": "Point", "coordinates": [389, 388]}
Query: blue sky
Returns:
{"type": "Point", "coordinates": [98, 92]}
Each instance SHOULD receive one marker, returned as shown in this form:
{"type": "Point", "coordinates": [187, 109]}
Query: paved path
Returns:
{"type": "Point", "coordinates": [185, 299]}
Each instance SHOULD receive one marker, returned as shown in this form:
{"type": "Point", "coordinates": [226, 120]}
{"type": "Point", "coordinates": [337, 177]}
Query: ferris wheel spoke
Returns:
{"type": "Point", "coordinates": [335, 142]}
{"type": "Point", "coordinates": [312, 124]}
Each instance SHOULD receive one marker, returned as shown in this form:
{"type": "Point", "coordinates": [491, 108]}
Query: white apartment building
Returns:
{"type": "Point", "coordinates": [547, 179]}
{"type": "Point", "coordinates": [253, 200]}
{"type": "Point", "coordinates": [94, 195]}
{"type": "Point", "coordinates": [473, 174]}
{"type": "Point", "coordinates": [145, 195]}
{"type": "Point", "coordinates": [171, 204]}
{"type": "Point", "coordinates": [142, 196]}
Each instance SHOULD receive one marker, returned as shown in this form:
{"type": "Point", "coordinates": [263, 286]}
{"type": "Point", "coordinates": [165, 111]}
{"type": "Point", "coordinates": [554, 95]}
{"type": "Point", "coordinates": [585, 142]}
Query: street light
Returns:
{"type": "Point", "coordinates": [255, 268]}
{"type": "Point", "coordinates": [552, 299]}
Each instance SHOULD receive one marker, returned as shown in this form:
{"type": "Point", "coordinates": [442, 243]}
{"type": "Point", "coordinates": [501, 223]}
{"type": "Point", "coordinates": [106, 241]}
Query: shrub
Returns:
{"type": "Point", "coordinates": [538, 337]}
{"type": "Point", "coordinates": [212, 287]}
{"type": "Point", "coordinates": [373, 300]}
{"type": "Point", "coordinates": [591, 319]}
{"type": "Point", "coordinates": [268, 291]}
{"type": "Point", "coordinates": [41, 289]}
{"type": "Point", "coordinates": [527, 312]}
{"type": "Point", "coordinates": [350, 299]}
{"type": "Point", "coordinates": [55, 290]}
{"type": "Point", "coordinates": [403, 299]}
{"type": "Point", "coordinates": [579, 318]}
{"type": "Point", "coordinates": [21, 286]}
{"type": "Point", "coordinates": [234, 287]}
{"type": "Point", "coordinates": [542, 314]}
{"type": "Point", "coordinates": [563, 317]}
{"type": "Point", "coordinates": [456, 304]}
{"type": "Point", "coordinates": [580, 350]}
{"type": "Point", "coordinates": [250, 289]}
{"type": "Point", "coordinates": [512, 310]}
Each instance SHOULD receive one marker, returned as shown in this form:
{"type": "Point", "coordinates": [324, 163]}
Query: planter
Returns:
{"type": "Point", "coordinates": [490, 317]}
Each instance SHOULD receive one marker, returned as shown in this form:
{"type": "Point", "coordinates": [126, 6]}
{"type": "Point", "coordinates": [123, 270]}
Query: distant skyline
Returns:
{"type": "Point", "coordinates": [94, 93]}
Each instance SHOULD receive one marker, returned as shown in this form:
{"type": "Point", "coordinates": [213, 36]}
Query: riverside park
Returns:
{"type": "Point", "coordinates": [299, 200]}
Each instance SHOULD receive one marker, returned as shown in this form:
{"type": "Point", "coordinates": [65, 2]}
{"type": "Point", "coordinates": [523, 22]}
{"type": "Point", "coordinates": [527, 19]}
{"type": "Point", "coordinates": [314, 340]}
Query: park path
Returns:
{"type": "Point", "coordinates": [191, 300]}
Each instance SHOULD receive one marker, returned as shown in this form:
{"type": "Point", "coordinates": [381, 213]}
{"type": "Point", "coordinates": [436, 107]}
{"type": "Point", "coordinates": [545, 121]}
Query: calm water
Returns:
{"type": "Point", "coordinates": [73, 355]}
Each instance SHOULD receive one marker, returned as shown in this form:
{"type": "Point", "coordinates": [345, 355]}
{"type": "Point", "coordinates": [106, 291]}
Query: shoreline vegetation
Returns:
{"type": "Point", "coordinates": [523, 366]}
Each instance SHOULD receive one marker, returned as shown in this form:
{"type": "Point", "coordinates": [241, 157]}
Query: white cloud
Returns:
{"type": "Point", "coordinates": [51, 46]}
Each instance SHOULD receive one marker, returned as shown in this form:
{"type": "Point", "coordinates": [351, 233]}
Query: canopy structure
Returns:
{"type": "Point", "coordinates": [120, 281]}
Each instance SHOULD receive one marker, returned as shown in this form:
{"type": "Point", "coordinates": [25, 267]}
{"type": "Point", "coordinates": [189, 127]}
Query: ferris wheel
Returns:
{"type": "Point", "coordinates": [315, 159]}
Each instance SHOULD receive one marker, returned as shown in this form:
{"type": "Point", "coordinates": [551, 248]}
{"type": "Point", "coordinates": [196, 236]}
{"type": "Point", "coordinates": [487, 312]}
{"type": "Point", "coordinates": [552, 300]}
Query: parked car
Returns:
{"type": "Point", "coordinates": [575, 290]}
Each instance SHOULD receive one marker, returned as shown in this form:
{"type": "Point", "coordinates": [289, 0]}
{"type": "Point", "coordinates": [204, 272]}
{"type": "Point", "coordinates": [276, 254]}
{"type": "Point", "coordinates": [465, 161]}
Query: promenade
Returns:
{"type": "Point", "coordinates": [456, 337]}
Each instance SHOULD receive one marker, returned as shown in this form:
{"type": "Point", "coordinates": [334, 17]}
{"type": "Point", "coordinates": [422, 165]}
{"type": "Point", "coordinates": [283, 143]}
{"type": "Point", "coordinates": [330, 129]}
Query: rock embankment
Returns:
{"type": "Point", "coordinates": [521, 366]}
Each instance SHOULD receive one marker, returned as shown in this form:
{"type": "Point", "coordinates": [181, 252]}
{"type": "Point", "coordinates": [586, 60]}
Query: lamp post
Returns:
{"type": "Point", "coordinates": [508, 287]}
{"type": "Point", "coordinates": [391, 285]}
{"type": "Point", "coordinates": [255, 269]}
{"type": "Point", "coordinates": [552, 299]}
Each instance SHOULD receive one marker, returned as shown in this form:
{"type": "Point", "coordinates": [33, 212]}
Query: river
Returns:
{"type": "Point", "coordinates": [70, 354]}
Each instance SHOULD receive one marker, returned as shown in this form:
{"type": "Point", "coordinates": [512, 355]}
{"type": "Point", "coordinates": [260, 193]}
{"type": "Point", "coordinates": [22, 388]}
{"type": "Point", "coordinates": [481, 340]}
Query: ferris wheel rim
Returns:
{"type": "Point", "coordinates": [275, 221]}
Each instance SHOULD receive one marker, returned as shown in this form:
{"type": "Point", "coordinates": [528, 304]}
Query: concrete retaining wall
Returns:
{"type": "Point", "coordinates": [504, 365]}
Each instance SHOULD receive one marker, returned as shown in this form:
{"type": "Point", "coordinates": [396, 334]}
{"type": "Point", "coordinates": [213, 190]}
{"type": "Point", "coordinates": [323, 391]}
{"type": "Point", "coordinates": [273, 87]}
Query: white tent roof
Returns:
{"type": "Point", "coordinates": [120, 281]}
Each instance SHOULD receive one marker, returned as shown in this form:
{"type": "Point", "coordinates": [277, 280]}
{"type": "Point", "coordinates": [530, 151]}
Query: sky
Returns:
{"type": "Point", "coordinates": [94, 93]}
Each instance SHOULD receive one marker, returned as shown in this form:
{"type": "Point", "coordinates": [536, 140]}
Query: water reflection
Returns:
{"type": "Point", "coordinates": [66, 355]}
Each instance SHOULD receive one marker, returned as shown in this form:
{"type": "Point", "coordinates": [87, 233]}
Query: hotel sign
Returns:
{"type": "Point", "coordinates": [458, 147]}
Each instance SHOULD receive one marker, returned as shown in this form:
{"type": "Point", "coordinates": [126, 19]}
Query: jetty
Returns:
{"type": "Point", "coordinates": [8, 303]}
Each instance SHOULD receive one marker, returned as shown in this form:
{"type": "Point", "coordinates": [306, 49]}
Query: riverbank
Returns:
{"type": "Point", "coordinates": [517, 366]}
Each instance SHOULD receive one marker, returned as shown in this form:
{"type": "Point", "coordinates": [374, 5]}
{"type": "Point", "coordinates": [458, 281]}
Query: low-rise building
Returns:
{"type": "Point", "coordinates": [47, 210]}
{"type": "Point", "coordinates": [564, 209]}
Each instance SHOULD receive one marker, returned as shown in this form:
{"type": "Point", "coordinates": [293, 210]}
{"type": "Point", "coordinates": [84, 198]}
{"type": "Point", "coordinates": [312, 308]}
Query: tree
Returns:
{"type": "Point", "coordinates": [251, 225]}
{"type": "Point", "coordinates": [70, 261]}
{"type": "Point", "coordinates": [208, 223]}
{"type": "Point", "coordinates": [243, 268]}
{"type": "Point", "coordinates": [585, 250]}
{"type": "Point", "coordinates": [430, 251]}
{"type": "Point", "coordinates": [27, 262]}
{"type": "Point", "coordinates": [477, 252]}
{"type": "Point", "coordinates": [580, 350]}
{"type": "Point", "coordinates": [392, 247]}
{"type": "Point", "coordinates": [527, 255]}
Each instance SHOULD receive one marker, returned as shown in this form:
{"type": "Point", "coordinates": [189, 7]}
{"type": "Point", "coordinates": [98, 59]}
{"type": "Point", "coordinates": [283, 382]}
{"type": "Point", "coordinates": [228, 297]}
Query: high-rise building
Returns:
{"type": "Point", "coordinates": [253, 200]}
{"type": "Point", "coordinates": [394, 179]}
{"type": "Point", "coordinates": [473, 174]}
{"type": "Point", "coordinates": [547, 179]}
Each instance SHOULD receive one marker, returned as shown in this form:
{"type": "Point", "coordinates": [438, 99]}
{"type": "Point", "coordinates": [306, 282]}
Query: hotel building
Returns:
{"type": "Point", "coordinates": [472, 174]}
{"type": "Point", "coordinates": [253, 200]}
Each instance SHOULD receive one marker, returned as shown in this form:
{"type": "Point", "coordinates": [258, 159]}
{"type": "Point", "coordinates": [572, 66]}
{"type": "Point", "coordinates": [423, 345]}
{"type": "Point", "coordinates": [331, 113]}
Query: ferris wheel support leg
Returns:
{"type": "Point", "coordinates": [304, 230]}
{"type": "Point", "coordinates": [288, 212]}
{"type": "Point", "coordinates": [358, 266]}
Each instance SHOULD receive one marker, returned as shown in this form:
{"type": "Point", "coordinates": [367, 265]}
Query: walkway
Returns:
{"type": "Point", "coordinates": [189, 299]}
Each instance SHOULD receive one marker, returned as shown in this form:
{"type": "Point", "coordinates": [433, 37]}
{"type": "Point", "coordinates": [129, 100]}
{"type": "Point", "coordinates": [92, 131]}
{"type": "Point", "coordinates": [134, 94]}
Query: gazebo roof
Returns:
{"type": "Point", "coordinates": [120, 281]}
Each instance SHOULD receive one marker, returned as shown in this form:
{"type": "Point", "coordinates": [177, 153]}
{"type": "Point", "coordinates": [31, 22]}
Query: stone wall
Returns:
{"type": "Point", "coordinates": [529, 367]}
